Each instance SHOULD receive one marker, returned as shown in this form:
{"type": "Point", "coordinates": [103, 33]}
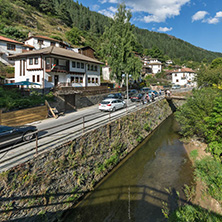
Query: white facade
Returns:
{"type": "Point", "coordinates": [7, 49]}
{"type": "Point", "coordinates": [106, 73]}
{"type": "Point", "coordinates": [184, 77]}
{"type": "Point", "coordinates": [40, 42]}
{"type": "Point", "coordinates": [154, 64]}
{"type": "Point", "coordinates": [37, 69]}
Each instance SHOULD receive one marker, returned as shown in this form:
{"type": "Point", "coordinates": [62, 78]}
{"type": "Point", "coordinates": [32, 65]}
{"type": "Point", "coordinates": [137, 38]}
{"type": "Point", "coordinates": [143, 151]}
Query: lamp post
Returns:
{"type": "Point", "coordinates": [127, 90]}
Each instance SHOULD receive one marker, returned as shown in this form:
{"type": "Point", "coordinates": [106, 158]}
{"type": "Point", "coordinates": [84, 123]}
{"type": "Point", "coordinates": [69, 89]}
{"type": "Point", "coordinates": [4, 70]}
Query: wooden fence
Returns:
{"type": "Point", "coordinates": [24, 116]}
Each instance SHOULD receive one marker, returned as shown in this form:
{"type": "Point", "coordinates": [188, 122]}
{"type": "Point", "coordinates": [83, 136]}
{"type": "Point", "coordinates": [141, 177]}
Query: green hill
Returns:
{"type": "Point", "coordinates": [55, 17]}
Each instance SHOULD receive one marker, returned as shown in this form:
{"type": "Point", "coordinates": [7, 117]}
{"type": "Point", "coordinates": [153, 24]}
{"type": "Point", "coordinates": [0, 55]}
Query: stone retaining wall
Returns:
{"type": "Point", "coordinates": [50, 184]}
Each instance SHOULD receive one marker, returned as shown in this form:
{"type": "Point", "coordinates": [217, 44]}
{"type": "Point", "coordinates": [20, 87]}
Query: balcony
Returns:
{"type": "Point", "coordinates": [57, 68]}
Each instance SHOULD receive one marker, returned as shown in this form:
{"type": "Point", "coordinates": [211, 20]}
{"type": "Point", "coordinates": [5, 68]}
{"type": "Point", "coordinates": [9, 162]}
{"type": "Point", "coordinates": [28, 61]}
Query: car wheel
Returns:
{"type": "Point", "coordinates": [28, 136]}
{"type": "Point", "coordinates": [114, 109]}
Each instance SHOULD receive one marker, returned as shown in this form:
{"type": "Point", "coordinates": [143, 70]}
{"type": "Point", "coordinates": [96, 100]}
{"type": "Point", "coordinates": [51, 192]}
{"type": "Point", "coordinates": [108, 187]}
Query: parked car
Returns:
{"type": "Point", "coordinates": [145, 89]}
{"type": "Point", "coordinates": [176, 87]}
{"type": "Point", "coordinates": [154, 91]}
{"type": "Point", "coordinates": [130, 93]}
{"type": "Point", "coordinates": [114, 96]}
{"type": "Point", "coordinates": [111, 105]}
{"type": "Point", "coordinates": [136, 97]}
{"type": "Point", "coordinates": [10, 135]}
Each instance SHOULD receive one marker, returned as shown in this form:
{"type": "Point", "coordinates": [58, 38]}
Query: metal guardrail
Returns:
{"type": "Point", "coordinates": [82, 124]}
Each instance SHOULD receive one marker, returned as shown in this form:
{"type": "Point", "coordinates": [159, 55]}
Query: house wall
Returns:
{"type": "Point", "coordinates": [183, 79]}
{"type": "Point", "coordinates": [6, 52]}
{"type": "Point", "coordinates": [34, 42]}
{"type": "Point", "coordinates": [106, 73]}
{"type": "Point", "coordinates": [64, 77]}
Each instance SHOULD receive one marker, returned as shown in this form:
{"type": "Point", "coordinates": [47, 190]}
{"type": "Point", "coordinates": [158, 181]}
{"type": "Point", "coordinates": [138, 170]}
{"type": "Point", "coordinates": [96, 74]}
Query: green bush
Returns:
{"type": "Point", "coordinates": [190, 213]}
{"type": "Point", "coordinates": [210, 172]}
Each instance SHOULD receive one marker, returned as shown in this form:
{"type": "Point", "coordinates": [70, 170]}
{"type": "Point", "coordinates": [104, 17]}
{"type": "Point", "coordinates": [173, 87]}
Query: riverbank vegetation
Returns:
{"type": "Point", "coordinates": [201, 117]}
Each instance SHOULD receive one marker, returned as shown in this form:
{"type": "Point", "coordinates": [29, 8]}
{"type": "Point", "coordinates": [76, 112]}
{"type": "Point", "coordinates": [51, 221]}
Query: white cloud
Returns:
{"type": "Point", "coordinates": [158, 10]}
{"type": "Point", "coordinates": [218, 14]}
{"type": "Point", "coordinates": [107, 13]}
{"type": "Point", "coordinates": [200, 15]}
{"type": "Point", "coordinates": [112, 9]}
{"type": "Point", "coordinates": [212, 20]}
{"type": "Point", "coordinates": [164, 29]}
{"type": "Point", "coordinates": [95, 7]}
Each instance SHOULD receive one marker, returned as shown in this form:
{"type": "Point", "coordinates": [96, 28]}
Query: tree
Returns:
{"type": "Point", "coordinates": [209, 77]}
{"type": "Point", "coordinates": [216, 63]}
{"type": "Point", "coordinates": [74, 36]}
{"type": "Point", "coordinates": [119, 44]}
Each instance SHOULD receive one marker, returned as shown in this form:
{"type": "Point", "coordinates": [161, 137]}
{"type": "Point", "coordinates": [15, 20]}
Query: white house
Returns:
{"type": "Point", "coordinates": [184, 76]}
{"type": "Point", "coordinates": [151, 66]}
{"type": "Point", "coordinates": [155, 65]}
{"type": "Point", "coordinates": [40, 42]}
{"type": "Point", "coordinates": [11, 47]}
{"type": "Point", "coordinates": [54, 66]}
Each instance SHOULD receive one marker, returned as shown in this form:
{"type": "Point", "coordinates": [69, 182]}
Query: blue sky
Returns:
{"type": "Point", "coordinates": [198, 22]}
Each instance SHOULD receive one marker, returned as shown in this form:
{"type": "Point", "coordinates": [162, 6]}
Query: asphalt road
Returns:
{"type": "Point", "coordinates": [55, 132]}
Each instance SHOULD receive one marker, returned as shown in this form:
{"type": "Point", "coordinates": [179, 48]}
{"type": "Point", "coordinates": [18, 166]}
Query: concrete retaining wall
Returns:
{"type": "Point", "coordinates": [49, 184]}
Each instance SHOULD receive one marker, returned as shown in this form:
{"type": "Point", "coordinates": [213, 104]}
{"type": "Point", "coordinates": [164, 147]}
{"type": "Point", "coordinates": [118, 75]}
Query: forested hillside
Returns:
{"type": "Point", "coordinates": [56, 17]}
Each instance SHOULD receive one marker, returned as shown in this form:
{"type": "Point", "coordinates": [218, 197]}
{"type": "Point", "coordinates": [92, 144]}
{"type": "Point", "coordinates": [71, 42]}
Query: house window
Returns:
{"type": "Point", "coordinates": [52, 43]}
{"type": "Point", "coordinates": [72, 79]}
{"type": "Point", "coordinates": [93, 80]}
{"type": "Point", "coordinates": [33, 78]}
{"type": "Point", "coordinates": [38, 78]}
{"type": "Point", "coordinates": [36, 61]}
{"type": "Point", "coordinates": [95, 68]}
{"type": "Point", "coordinates": [77, 79]}
{"type": "Point", "coordinates": [88, 67]}
{"type": "Point", "coordinates": [175, 74]}
{"type": "Point", "coordinates": [89, 80]}
{"type": "Point", "coordinates": [73, 64]}
{"type": "Point", "coordinates": [177, 80]}
{"type": "Point", "coordinates": [82, 65]}
{"type": "Point", "coordinates": [40, 42]}
{"type": "Point", "coordinates": [10, 46]}
{"type": "Point", "coordinates": [31, 61]}
{"type": "Point", "coordinates": [49, 78]}
{"type": "Point", "coordinates": [91, 67]}
{"type": "Point", "coordinates": [81, 79]}
{"type": "Point", "coordinates": [97, 80]}
{"type": "Point", "coordinates": [78, 65]}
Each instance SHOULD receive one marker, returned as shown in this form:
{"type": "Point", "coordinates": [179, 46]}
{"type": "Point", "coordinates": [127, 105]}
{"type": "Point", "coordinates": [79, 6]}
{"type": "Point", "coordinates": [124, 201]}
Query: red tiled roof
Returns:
{"type": "Point", "coordinates": [9, 40]}
{"type": "Point", "coordinates": [182, 70]}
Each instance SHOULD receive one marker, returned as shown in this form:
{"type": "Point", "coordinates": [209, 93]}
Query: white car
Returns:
{"type": "Point", "coordinates": [111, 105]}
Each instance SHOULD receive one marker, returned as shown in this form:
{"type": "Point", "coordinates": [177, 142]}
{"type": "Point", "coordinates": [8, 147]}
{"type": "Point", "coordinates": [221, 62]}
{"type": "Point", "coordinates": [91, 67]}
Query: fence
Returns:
{"type": "Point", "coordinates": [21, 117]}
{"type": "Point", "coordinates": [43, 141]}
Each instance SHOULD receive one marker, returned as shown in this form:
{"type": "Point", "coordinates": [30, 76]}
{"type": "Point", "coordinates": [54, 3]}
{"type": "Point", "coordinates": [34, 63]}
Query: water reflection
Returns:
{"type": "Point", "coordinates": [136, 190]}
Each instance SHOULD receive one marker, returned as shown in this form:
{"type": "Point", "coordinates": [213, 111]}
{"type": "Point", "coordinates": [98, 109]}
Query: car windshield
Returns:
{"type": "Point", "coordinates": [111, 95]}
{"type": "Point", "coordinates": [105, 102]}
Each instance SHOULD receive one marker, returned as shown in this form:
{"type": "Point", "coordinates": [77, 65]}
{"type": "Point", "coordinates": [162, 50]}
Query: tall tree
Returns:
{"type": "Point", "coordinates": [119, 44]}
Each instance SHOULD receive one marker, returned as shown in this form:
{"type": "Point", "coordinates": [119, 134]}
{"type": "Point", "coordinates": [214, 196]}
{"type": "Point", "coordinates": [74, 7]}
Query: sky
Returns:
{"type": "Point", "coordinates": [198, 22]}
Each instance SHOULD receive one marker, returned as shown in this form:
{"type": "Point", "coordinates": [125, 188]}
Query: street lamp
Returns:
{"type": "Point", "coordinates": [127, 93]}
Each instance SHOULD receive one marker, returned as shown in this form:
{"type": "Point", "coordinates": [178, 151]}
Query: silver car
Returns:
{"type": "Point", "coordinates": [111, 105]}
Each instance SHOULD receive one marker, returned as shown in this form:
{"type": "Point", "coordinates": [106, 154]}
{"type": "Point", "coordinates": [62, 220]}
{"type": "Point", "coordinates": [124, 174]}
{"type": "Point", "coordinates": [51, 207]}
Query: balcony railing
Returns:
{"type": "Point", "coordinates": [56, 68]}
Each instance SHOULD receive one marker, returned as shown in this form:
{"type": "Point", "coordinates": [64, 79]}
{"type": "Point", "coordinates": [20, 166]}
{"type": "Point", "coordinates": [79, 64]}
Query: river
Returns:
{"type": "Point", "coordinates": [136, 189]}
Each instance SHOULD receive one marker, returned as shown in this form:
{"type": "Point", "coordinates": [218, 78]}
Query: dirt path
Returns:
{"type": "Point", "coordinates": [202, 198]}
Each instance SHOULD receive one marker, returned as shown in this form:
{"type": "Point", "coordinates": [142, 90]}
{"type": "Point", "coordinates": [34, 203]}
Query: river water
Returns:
{"type": "Point", "coordinates": [137, 188]}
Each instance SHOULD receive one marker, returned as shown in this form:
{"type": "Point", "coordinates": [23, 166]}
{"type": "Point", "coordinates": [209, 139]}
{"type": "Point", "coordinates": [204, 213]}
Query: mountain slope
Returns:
{"type": "Point", "coordinates": [56, 17]}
